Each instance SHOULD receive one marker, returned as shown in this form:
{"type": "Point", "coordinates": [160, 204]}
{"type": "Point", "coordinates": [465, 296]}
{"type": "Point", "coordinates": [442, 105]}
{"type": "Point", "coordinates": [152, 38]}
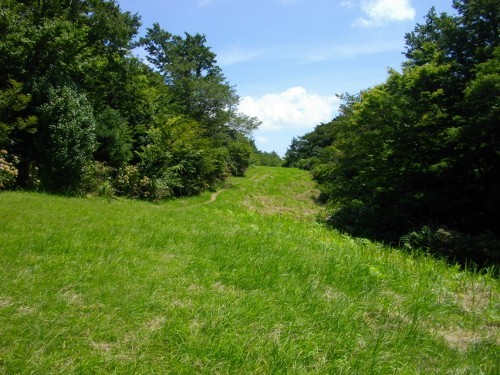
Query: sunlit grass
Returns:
{"type": "Point", "coordinates": [247, 283]}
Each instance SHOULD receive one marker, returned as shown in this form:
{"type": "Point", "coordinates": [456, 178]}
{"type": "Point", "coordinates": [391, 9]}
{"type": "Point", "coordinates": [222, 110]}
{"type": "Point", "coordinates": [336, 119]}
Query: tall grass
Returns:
{"type": "Point", "coordinates": [246, 283]}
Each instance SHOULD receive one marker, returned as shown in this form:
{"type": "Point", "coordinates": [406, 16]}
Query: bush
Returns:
{"type": "Point", "coordinates": [351, 218]}
{"type": "Point", "coordinates": [239, 157]}
{"type": "Point", "coordinates": [131, 183]}
{"type": "Point", "coordinates": [270, 159]}
{"type": "Point", "coordinates": [179, 161]}
{"type": "Point", "coordinates": [114, 140]}
{"type": "Point", "coordinates": [8, 170]}
{"type": "Point", "coordinates": [483, 249]}
{"type": "Point", "coordinates": [97, 180]}
{"type": "Point", "coordinates": [69, 140]}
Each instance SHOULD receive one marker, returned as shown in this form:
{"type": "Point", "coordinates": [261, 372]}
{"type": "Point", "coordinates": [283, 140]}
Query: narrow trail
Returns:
{"type": "Point", "coordinates": [216, 194]}
{"type": "Point", "coordinates": [266, 191]}
{"type": "Point", "coordinates": [271, 192]}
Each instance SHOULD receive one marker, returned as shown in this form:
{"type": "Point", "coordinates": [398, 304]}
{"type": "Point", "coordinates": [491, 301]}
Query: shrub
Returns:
{"type": "Point", "coordinates": [33, 181]}
{"type": "Point", "coordinates": [158, 189]}
{"type": "Point", "coordinates": [114, 140]}
{"type": "Point", "coordinates": [97, 179]}
{"type": "Point", "coordinates": [130, 183]}
{"type": "Point", "coordinates": [69, 140]}
{"type": "Point", "coordinates": [195, 170]}
{"type": "Point", "coordinates": [239, 157]}
{"type": "Point", "coordinates": [8, 170]}
{"type": "Point", "coordinates": [483, 249]}
{"type": "Point", "coordinates": [351, 218]}
{"type": "Point", "coordinates": [179, 160]}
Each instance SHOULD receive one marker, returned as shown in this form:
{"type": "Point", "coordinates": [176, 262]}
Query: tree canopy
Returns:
{"type": "Point", "coordinates": [416, 159]}
{"type": "Point", "coordinates": [79, 113]}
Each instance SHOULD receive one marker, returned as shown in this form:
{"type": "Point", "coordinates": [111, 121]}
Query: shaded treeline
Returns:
{"type": "Point", "coordinates": [79, 113]}
{"type": "Point", "coordinates": [416, 159]}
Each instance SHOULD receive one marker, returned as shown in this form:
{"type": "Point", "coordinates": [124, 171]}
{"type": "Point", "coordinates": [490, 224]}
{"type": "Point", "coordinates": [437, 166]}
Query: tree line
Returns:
{"type": "Point", "coordinates": [79, 113]}
{"type": "Point", "coordinates": [416, 160]}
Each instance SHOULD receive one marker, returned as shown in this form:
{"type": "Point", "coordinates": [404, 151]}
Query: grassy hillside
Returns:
{"type": "Point", "coordinates": [238, 281]}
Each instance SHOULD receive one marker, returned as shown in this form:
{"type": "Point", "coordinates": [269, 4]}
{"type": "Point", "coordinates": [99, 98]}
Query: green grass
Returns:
{"type": "Point", "coordinates": [247, 283]}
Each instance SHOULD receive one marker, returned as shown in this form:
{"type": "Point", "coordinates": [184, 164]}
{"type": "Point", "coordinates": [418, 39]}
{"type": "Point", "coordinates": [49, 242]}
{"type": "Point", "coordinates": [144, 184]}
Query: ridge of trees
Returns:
{"type": "Point", "coordinates": [416, 159]}
{"type": "Point", "coordinates": [80, 114]}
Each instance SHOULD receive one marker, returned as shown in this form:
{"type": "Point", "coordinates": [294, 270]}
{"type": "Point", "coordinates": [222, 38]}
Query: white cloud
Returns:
{"type": "Point", "coordinates": [347, 51]}
{"type": "Point", "coordinates": [294, 108]}
{"type": "Point", "coordinates": [236, 55]}
{"type": "Point", "coordinates": [262, 139]}
{"type": "Point", "coordinates": [355, 50]}
{"type": "Point", "coordinates": [380, 12]}
{"type": "Point", "coordinates": [347, 4]}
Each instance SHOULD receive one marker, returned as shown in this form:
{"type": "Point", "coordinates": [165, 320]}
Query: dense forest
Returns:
{"type": "Point", "coordinates": [79, 113]}
{"type": "Point", "coordinates": [416, 159]}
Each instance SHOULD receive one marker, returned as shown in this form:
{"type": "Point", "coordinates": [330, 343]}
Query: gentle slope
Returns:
{"type": "Point", "coordinates": [244, 281]}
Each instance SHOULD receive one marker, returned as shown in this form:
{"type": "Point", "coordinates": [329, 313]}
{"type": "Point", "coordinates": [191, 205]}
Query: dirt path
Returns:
{"type": "Point", "coordinates": [214, 195]}
{"type": "Point", "coordinates": [295, 196]}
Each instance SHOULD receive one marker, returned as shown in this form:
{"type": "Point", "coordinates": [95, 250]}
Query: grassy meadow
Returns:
{"type": "Point", "coordinates": [241, 281]}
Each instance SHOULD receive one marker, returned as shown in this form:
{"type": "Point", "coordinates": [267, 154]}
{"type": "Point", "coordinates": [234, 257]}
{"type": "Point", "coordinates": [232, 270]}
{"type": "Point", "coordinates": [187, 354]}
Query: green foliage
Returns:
{"type": "Point", "coordinates": [421, 149]}
{"type": "Point", "coordinates": [70, 63]}
{"type": "Point", "coordinates": [177, 57]}
{"type": "Point", "coordinates": [454, 245]}
{"type": "Point", "coordinates": [55, 44]}
{"type": "Point", "coordinates": [97, 179]}
{"type": "Point", "coordinates": [243, 124]}
{"type": "Point", "coordinates": [269, 159]}
{"type": "Point", "coordinates": [189, 68]}
{"type": "Point", "coordinates": [131, 183]}
{"type": "Point", "coordinates": [239, 158]}
{"type": "Point", "coordinates": [12, 122]}
{"type": "Point", "coordinates": [69, 139]}
{"type": "Point", "coordinates": [199, 162]}
{"type": "Point", "coordinates": [179, 157]}
{"type": "Point", "coordinates": [8, 170]}
{"type": "Point", "coordinates": [294, 153]}
{"type": "Point", "coordinates": [306, 150]}
{"type": "Point", "coordinates": [112, 134]}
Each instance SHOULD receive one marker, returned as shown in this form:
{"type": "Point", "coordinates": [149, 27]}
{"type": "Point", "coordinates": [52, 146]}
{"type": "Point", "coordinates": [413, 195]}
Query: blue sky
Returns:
{"type": "Point", "coordinates": [289, 58]}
